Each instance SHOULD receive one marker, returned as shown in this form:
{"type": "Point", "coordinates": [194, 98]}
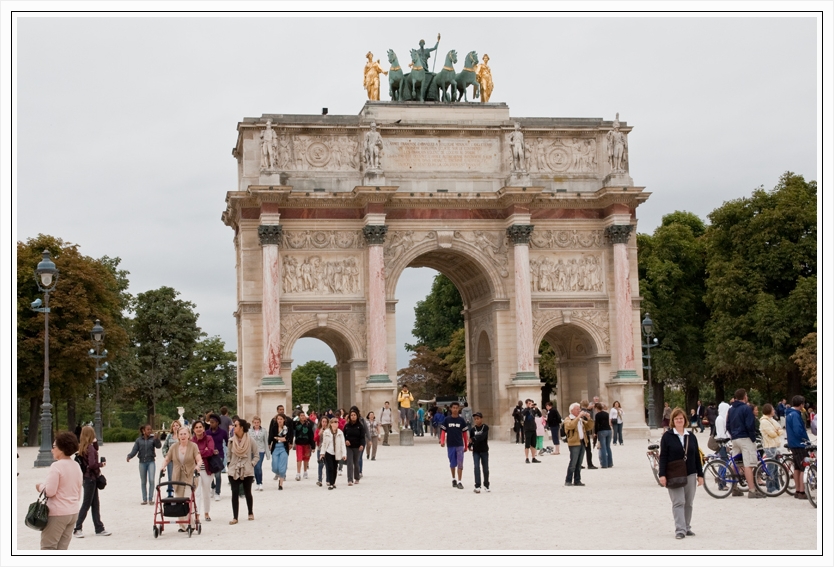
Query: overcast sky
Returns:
{"type": "Point", "coordinates": [125, 125]}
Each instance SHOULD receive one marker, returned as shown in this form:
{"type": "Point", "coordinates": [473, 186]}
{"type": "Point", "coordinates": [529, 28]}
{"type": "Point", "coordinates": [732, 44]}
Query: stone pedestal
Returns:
{"type": "Point", "coordinates": [519, 179]}
{"type": "Point", "coordinates": [373, 177]}
{"type": "Point", "coordinates": [374, 396]}
{"type": "Point", "coordinates": [269, 397]}
{"type": "Point", "coordinates": [630, 396]}
{"type": "Point", "coordinates": [406, 438]}
{"type": "Point", "coordinates": [521, 389]}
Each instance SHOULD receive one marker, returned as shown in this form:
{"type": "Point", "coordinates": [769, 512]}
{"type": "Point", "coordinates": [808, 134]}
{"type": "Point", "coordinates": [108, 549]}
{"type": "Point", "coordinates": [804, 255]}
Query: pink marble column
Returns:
{"type": "Point", "coordinates": [377, 353]}
{"type": "Point", "coordinates": [270, 237]}
{"type": "Point", "coordinates": [519, 235]}
{"type": "Point", "coordinates": [619, 234]}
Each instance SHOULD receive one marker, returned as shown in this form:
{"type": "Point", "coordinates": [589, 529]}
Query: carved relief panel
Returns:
{"type": "Point", "coordinates": [555, 239]}
{"type": "Point", "coordinates": [566, 272]}
{"type": "Point", "coordinates": [322, 239]}
{"type": "Point", "coordinates": [294, 152]}
{"type": "Point", "coordinates": [321, 274]}
{"type": "Point", "coordinates": [561, 155]}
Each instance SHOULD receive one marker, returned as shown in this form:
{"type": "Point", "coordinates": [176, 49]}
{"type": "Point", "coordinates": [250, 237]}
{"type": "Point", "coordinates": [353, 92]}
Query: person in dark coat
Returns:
{"type": "Point", "coordinates": [678, 443]}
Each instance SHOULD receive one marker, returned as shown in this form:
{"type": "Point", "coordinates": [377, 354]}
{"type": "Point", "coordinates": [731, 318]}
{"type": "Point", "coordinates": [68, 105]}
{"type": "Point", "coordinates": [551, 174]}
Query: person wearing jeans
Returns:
{"type": "Point", "coordinates": [480, 450]}
{"type": "Point", "coordinates": [602, 426]}
{"type": "Point", "coordinates": [616, 418]}
{"type": "Point", "coordinates": [145, 446]}
{"type": "Point", "coordinates": [385, 419]}
{"type": "Point", "coordinates": [771, 431]}
{"type": "Point", "coordinates": [576, 426]}
{"type": "Point", "coordinates": [258, 435]}
{"type": "Point", "coordinates": [220, 436]}
{"type": "Point", "coordinates": [355, 442]}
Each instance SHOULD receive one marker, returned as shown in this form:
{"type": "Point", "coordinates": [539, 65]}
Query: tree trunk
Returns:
{"type": "Point", "coordinates": [150, 411]}
{"type": "Point", "coordinates": [71, 423]}
{"type": "Point", "coordinates": [657, 389]}
{"type": "Point", "coordinates": [34, 416]}
{"type": "Point", "coordinates": [794, 383]}
{"type": "Point", "coordinates": [718, 383]}
{"type": "Point", "coordinates": [692, 393]}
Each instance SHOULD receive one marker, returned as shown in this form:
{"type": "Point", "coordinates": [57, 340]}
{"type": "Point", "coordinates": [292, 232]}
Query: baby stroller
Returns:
{"type": "Point", "coordinates": [175, 507]}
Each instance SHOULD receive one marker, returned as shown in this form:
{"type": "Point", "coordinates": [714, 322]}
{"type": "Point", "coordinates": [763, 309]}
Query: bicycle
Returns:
{"type": "Point", "coordinates": [653, 454]}
{"type": "Point", "coordinates": [809, 475]}
{"type": "Point", "coordinates": [787, 461]}
{"type": "Point", "coordinates": [720, 475]}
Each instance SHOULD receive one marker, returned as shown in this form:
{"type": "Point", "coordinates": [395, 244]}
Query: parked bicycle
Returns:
{"type": "Point", "coordinates": [722, 477]}
{"type": "Point", "coordinates": [809, 475]}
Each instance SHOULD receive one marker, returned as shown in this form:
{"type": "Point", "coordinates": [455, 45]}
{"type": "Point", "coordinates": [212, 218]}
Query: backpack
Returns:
{"type": "Point", "coordinates": [82, 462]}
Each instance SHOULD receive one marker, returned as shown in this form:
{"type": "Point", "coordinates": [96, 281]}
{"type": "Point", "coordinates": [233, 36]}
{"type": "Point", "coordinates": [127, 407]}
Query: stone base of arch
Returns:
{"type": "Point", "coordinates": [269, 397]}
{"type": "Point", "coordinates": [374, 396]}
{"type": "Point", "coordinates": [630, 396]}
{"type": "Point", "coordinates": [517, 390]}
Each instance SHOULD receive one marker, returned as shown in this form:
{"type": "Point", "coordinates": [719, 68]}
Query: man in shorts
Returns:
{"type": "Point", "coordinates": [405, 398]}
{"type": "Point", "coordinates": [797, 437]}
{"type": "Point", "coordinates": [453, 436]}
{"type": "Point", "coordinates": [304, 442]}
{"type": "Point", "coordinates": [529, 416]}
{"type": "Point", "coordinates": [741, 425]}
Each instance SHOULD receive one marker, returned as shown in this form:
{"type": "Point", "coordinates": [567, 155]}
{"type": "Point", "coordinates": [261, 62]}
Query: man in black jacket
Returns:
{"type": "Point", "coordinates": [517, 425]}
{"type": "Point", "coordinates": [554, 420]}
{"type": "Point", "coordinates": [700, 413]}
{"type": "Point", "coordinates": [529, 416]}
{"type": "Point", "coordinates": [479, 446]}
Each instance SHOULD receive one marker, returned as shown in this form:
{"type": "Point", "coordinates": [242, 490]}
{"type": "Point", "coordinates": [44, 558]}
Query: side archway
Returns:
{"type": "Point", "coordinates": [577, 363]}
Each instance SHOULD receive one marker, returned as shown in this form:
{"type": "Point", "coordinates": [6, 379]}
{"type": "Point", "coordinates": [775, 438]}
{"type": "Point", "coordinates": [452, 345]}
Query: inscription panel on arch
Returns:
{"type": "Point", "coordinates": [442, 155]}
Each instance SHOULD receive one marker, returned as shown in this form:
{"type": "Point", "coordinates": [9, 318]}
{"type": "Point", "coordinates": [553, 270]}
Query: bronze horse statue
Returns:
{"type": "Point", "coordinates": [418, 76]}
{"type": "Point", "coordinates": [468, 77]}
{"type": "Point", "coordinates": [395, 77]}
{"type": "Point", "coordinates": [446, 78]}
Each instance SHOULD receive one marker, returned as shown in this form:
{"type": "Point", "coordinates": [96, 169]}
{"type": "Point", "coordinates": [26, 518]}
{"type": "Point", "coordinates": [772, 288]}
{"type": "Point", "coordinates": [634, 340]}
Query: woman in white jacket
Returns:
{"type": "Point", "coordinates": [332, 450]}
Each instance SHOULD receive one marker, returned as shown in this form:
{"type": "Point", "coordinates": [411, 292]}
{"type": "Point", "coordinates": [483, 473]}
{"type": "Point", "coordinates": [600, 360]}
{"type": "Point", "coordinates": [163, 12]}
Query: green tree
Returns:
{"type": "Point", "coordinates": [210, 380]}
{"type": "Point", "coordinates": [672, 269]}
{"type": "Point", "coordinates": [438, 316]}
{"type": "Point", "coordinates": [164, 334]}
{"type": "Point", "coordinates": [548, 363]}
{"type": "Point", "coordinates": [762, 286]}
{"type": "Point", "coordinates": [427, 375]}
{"type": "Point", "coordinates": [87, 289]}
{"type": "Point", "coordinates": [304, 385]}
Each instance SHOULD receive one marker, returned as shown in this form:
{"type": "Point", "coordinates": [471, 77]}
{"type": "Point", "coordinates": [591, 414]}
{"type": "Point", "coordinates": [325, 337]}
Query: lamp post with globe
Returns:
{"type": "Point", "coordinates": [651, 342]}
{"type": "Point", "coordinates": [97, 333]}
{"type": "Point", "coordinates": [47, 278]}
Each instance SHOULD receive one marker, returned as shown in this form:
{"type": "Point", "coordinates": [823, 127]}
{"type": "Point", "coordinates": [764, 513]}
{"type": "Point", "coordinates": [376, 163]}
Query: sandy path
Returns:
{"type": "Point", "coordinates": [529, 508]}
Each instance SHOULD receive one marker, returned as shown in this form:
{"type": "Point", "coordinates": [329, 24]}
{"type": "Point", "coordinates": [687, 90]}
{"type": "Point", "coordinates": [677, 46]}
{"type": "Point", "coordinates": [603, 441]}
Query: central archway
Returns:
{"type": "Point", "coordinates": [480, 275]}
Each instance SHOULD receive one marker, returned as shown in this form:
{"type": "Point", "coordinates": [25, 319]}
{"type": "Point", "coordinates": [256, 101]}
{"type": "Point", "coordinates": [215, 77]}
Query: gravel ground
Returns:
{"type": "Point", "coordinates": [529, 508]}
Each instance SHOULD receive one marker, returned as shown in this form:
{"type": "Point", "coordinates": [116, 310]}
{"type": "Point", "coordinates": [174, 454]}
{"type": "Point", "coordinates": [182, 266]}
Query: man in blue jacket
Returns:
{"type": "Point", "coordinates": [797, 437]}
{"type": "Point", "coordinates": [741, 425]}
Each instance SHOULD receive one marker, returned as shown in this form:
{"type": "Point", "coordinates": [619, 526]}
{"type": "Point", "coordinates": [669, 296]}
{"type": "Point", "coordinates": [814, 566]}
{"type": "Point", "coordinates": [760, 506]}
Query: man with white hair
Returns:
{"type": "Point", "coordinates": [575, 426]}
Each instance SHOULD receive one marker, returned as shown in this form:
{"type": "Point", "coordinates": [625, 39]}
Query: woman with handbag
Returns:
{"type": "Point", "coordinates": [62, 488]}
{"type": "Point", "coordinates": [243, 456]}
{"type": "Point", "coordinates": [680, 471]}
{"type": "Point", "coordinates": [205, 446]}
{"type": "Point", "coordinates": [333, 450]}
{"type": "Point", "coordinates": [185, 457]}
{"type": "Point", "coordinates": [616, 419]}
{"type": "Point", "coordinates": [88, 451]}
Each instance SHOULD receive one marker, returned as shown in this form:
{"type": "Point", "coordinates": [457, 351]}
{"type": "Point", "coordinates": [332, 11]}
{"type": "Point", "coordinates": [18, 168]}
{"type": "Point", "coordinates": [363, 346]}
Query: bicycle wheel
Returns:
{"type": "Point", "coordinates": [811, 484]}
{"type": "Point", "coordinates": [718, 481]}
{"type": "Point", "coordinates": [655, 469]}
{"type": "Point", "coordinates": [771, 472]}
{"type": "Point", "coordinates": [788, 464]}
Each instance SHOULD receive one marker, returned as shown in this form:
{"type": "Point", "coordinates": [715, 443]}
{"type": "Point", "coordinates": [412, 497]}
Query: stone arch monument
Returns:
{"type": "Point", "coordinates": [531, 218]}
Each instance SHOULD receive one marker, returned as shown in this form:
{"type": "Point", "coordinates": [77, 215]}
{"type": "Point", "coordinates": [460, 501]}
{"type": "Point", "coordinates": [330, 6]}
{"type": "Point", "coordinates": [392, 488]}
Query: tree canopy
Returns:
{"type": "Point", "coordinates": [210, 380]}
{"type": "Point", "coordinates": [87, 289]}
{"type": "Point", "coordinates": [438, 316]}
{"type": "Point", "coordinates": [304, 385]}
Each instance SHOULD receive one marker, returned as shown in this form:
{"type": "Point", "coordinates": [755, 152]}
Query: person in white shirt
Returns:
{"type": "Point", "coordinates": [385, 420]}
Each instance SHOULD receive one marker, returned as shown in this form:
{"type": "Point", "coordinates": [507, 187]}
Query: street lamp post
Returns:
{"type": "Point", "coordinates": [97, 333]}
{"type": "Point", "coordinates": [651, 342]}
{"type": "Point", "coordinates": [318, 394]}
{"type": "Point", "coordinates": [46, 275]}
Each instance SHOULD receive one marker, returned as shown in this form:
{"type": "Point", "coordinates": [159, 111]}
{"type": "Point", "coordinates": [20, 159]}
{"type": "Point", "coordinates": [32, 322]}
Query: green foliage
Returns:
{"type": "Point", "coordinates": [454, 358]}
{"type": "Point", "coordinates": [164, 335]}
{"type": "Point", "coordinates": [120, 435]}
{"type": "Point", "coordinates": [304, 385]}
{"type": "Point", "coordinates": [672, 265]}
{"type": "Point", "coordinates": [438, 316]}
{"type": "Point", "coordinates": [210, 380]}
{"type": "Point", "coordinates": [87, 289]}
{"type": "Point", "coordinates": [761, 289]}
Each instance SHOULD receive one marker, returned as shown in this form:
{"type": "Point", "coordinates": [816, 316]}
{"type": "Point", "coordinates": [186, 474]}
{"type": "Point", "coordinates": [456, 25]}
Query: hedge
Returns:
{"type": "Point", "coordinates": [120, 435]}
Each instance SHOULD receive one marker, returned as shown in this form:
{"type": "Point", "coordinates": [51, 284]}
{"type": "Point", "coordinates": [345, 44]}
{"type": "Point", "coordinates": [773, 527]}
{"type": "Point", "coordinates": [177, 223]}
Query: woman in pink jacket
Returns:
{"type": "Point", "coordinates": [63, 489]}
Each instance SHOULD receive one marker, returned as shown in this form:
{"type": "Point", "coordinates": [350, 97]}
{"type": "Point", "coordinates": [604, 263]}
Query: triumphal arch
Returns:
{"type": "Point", "coordinates": [532, 219]}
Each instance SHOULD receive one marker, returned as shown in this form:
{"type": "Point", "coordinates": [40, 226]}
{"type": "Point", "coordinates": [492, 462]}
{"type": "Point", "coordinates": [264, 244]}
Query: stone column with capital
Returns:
{"type": "Point", "coordinates": [519, 235]}
{"type": "Point", "coordinates": [270, 239]}
{"type": "Point", "coordinates": [618, 234]}
{"type": "Point", "coordinates": [377, 355]}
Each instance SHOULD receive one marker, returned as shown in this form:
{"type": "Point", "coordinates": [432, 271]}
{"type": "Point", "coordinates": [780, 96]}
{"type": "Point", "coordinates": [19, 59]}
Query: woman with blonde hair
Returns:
{"type": "Point", "coordinates": [676, 445]}
{"type": "Point", "coordinates": [185, 459]}
{"type": "Point", "coordinates": [333, 450]}
{"type": "Point", "coordinates": [88, 451]}
{"type": "Point", "coordinates": [170, 439]}
{"type": "Point", "coordinates": [258, 435]}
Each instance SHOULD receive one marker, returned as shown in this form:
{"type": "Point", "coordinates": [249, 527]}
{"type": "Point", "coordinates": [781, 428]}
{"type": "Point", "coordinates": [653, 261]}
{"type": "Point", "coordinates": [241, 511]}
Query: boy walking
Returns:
{"type": "Point", "coordinates": [453, 433]}
{"type": "Point", "coordinates": [480, 450]}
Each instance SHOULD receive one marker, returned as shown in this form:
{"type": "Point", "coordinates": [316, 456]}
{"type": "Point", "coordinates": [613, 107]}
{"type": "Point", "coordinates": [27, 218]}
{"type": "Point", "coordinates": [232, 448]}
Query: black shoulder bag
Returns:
{"type": "Point", "coordinates": [676, 476]}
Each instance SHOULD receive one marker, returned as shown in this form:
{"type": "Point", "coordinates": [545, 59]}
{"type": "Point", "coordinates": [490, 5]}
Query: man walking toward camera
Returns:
{"type": "Point", "coordinates": [530, 414]}
{"type": "Point", "coordinates": [385, 420]}
{"type": "Point", "coordinates": [453, 433]}
{"type": "Point", "coordinates": [741, 424]}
